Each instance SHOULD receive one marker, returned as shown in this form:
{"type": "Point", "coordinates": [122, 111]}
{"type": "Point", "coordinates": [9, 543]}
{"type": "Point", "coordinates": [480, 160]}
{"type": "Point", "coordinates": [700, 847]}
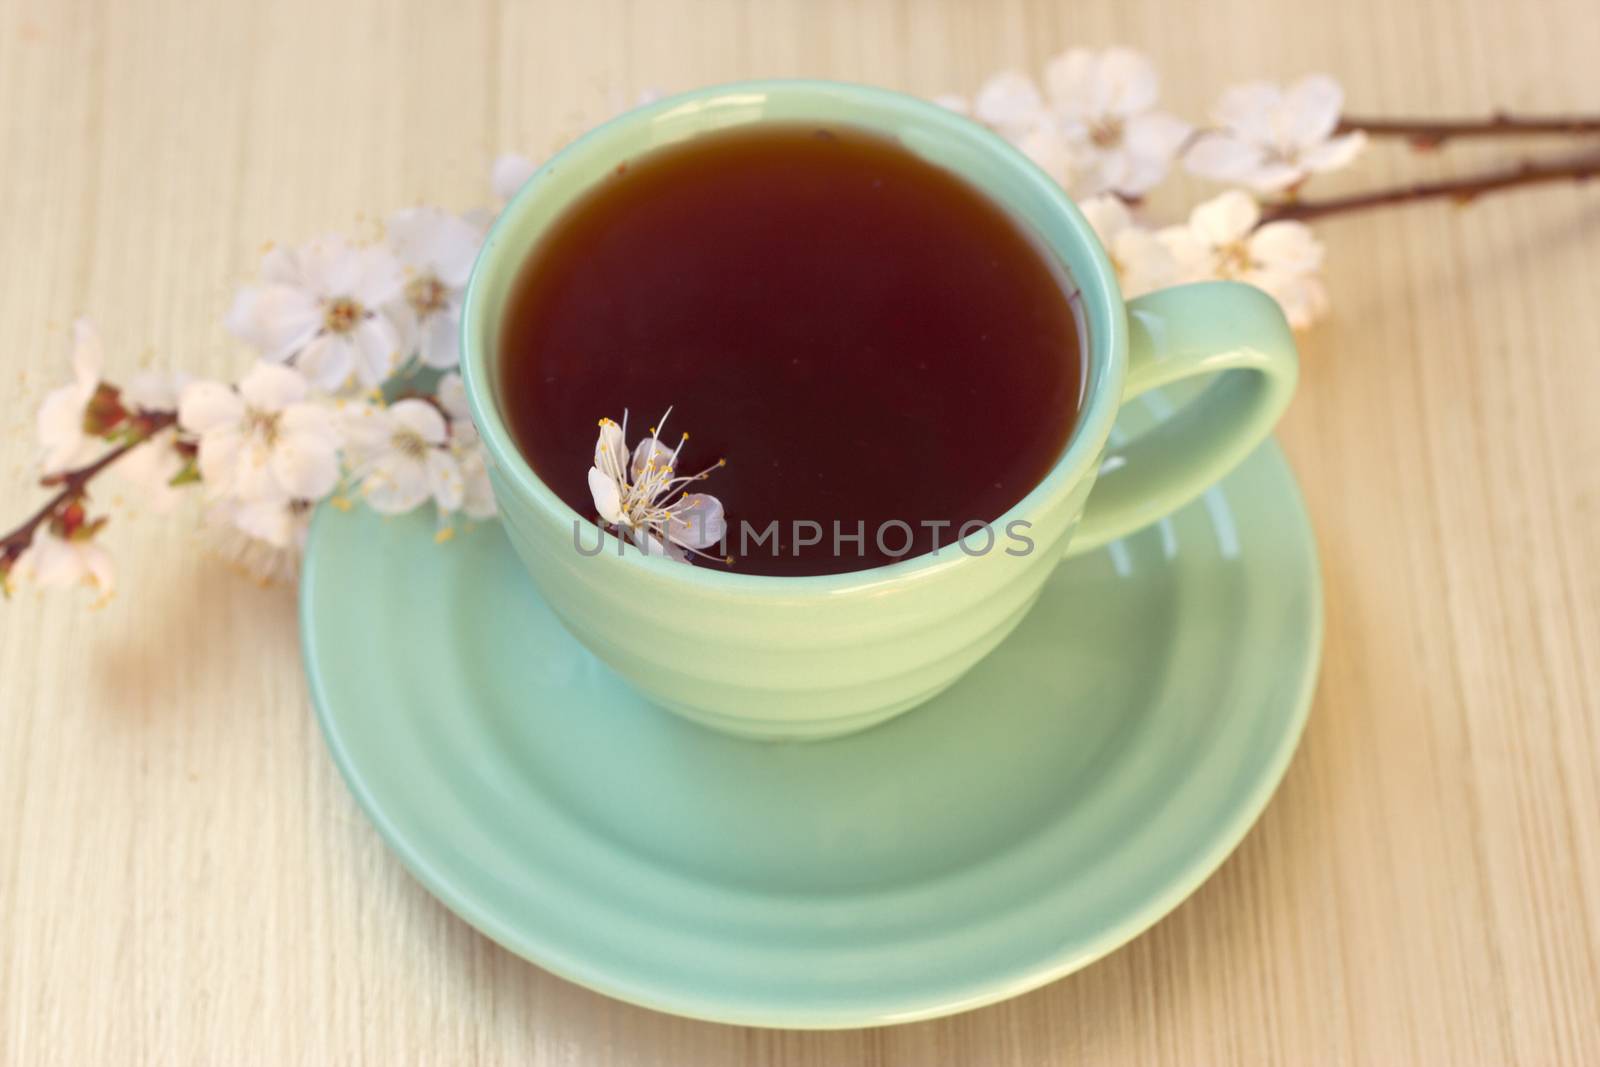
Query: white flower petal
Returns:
{"type": "Point", "coordinates": [155, 390]}
{"type": "Point", "coordinates": [439, 339]}
{"type": "Point", "coordinates": [1310, 111]}
{"type": "Point", "coordinates": [59, 425]}
{"type": "Point", "coordinates": [1331, 155]}
{"type": "Point", "coordinates": [379, 277]}
{"type": "Point", "coordinates": [1150, 141]}
{"type": "Point", "coordinates": [218, 459]}
{"type": "Point", "coordinates": [270, 520]}
{"type": "Point", "coordinates": [276, 320]}
{"type": "Point", "coordinates": [1273, 176]}
{"type": "Point", "coordinates": [607, 495]}
{"type": "Point", "coordinates": [407, 325]}
{"type": "Point", "coordinates": [610, 451]}
{"type": "Point", "coordinates": [650, 451]}
{"type": "Point", "coordinates": [396, 484]}
{"type": "Point", "coordinates": [254, 477]}
{"type": "Point", "coordinates": [1008, 101]}
{"type": "Point", "coordinates": [1140, 174]}
{"type": "Point", "coordinates": [310, 420]}
{"type": "Point", "coordinates": [271, 387]}
{"type": "Point", "coordinates": [478, 496]}
{"type": "Point", "coordinates": [511, 172]}
{"type": "Point", "coordinates": [1108, 216]}
{"type": "Point", "coordinates": [1098, 172]}
{"type": "Point", "coordinates": [1195, 259]}
{"type": "Point", "coordinates": [1222, 158]}
{"type": "Point", "coordinates": [1286, 246]}
{"type": "Point", "coordinates": [1144, 262]}
{"type": "Point", "coordinates": [377, 350]}
{"type": "Point", "coordinates": [421, 418]}
{"type": "Point", "coordinates": [52, 562]}
{"type": "Point", "coordinates": [1073, 82]}
{"type": "Point", "coordinates": [269, 560]}
{"type": "Point", "coordinates": [327, 361]}
{"type": "Point", "coordinates": [435, 242]}
{"type": "Point", "coordinates": [697, 521]}
{"type": "Point", "coordinates": [1130, 82]}
{"type": "Point", "coordinates": [452, 394]}
{"type": "Point", "coordinates": [329, 267]}
{"type": "Point", "coordinates": [150, 468]}
{"type": "Point", "coordinates": [1043, 143]}
{"type": "Point", "coordinates": [205, 406]}
{"type": "Point", "coordinates": [1247, 110]}
{"type": "Point", "coordinates": [1226, 218]}
{"type": "Point", "coordinates": [444, 479]}
{"type": "Point", "coordinates": [363, 428]}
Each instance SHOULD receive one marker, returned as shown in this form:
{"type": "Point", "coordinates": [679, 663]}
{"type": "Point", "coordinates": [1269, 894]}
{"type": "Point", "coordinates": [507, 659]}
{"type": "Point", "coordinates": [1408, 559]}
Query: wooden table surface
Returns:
{"type": "Point", "coordinates": [184, 878]}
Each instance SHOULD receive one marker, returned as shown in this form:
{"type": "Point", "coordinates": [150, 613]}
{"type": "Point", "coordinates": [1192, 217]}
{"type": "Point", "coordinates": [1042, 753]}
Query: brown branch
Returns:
{"type": "Point", "coordinates": [74, 484]}
{"type": "Point", "coordinates": [1430, 133]}
{"type": "Point", "coordinates": [1461, 190]}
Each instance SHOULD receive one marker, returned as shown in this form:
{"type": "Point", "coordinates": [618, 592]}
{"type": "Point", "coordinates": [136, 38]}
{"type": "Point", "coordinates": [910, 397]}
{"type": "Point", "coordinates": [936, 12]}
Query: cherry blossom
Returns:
{"type": "Point", "coordinates": [54, 560]}
{"type": "Point", "coordinates": [1106, 105]}
{"type": "Point", "coordinates": [644, 499]}
{"type": "Point", "coordinates": [319, 307]}
{"type": "Point", "coordinates": [152, 390]}
{"type": "Point", "coordinates": [1221, 240]}
{"type": "Point", "coordinates": [1272, 139]}
{"type": "Point", "coordinates": [262, 441]}
{"type": "Point", "coordinates": [400, 456]}
{"type": "Point", "coordinates": [63, 441]}
{"type": "Point", "coordinates": [437, 250]}
{"type": "Point", "coordinates": [1094, 128]}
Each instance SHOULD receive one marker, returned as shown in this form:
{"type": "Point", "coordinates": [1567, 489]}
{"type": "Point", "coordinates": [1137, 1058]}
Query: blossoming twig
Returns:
{"type": "Point", "coordinates": [1461, 190]}
{"type": "Point", "coordinates": [1430, 133]}
{"type": "Point", "coordinates": [74, 486]}
{"type": "Point", "coordinates": [355, 389]}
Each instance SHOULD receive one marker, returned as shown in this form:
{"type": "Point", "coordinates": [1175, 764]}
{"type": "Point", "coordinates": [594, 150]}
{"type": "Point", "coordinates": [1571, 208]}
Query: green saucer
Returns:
{"type": "Point", "coordinates": [1066, 794]}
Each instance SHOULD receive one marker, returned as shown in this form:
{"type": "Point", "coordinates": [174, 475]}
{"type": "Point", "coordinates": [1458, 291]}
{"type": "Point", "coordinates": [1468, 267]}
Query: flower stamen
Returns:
{"type": "Point", "coordinates": [342, 315]}
{"type": "Point", "coordinates": [427, 295]}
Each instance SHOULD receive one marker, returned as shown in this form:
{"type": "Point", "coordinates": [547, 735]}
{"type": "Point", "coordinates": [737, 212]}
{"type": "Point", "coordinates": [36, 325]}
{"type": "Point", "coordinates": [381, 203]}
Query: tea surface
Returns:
{"type": "Point", "coordinates": [864, 337]}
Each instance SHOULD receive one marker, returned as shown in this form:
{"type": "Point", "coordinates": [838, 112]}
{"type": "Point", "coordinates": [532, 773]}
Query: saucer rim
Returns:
{"type": "Point", "coordinates": [1025, 976]}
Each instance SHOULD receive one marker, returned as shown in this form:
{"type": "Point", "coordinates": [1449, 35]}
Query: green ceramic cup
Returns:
{"type": "Point", "coordinates": [787, 658]}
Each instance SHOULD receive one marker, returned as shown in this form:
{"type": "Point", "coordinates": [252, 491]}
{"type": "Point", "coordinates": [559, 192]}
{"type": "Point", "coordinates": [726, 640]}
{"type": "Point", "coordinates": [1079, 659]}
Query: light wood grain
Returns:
{"type": "Point", "coordinates": [183, 877]}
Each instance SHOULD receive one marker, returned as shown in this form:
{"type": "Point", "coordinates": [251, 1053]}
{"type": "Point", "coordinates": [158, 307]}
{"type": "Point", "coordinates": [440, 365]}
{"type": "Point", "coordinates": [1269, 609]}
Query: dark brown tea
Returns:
{"type": "Point", "coordinates": [864, 337]}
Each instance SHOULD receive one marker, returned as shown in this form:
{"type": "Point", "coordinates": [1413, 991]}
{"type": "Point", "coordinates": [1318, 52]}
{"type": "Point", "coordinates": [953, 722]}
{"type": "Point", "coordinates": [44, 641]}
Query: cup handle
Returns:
{"type": "Point", "coordinates": [1232, 331]}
